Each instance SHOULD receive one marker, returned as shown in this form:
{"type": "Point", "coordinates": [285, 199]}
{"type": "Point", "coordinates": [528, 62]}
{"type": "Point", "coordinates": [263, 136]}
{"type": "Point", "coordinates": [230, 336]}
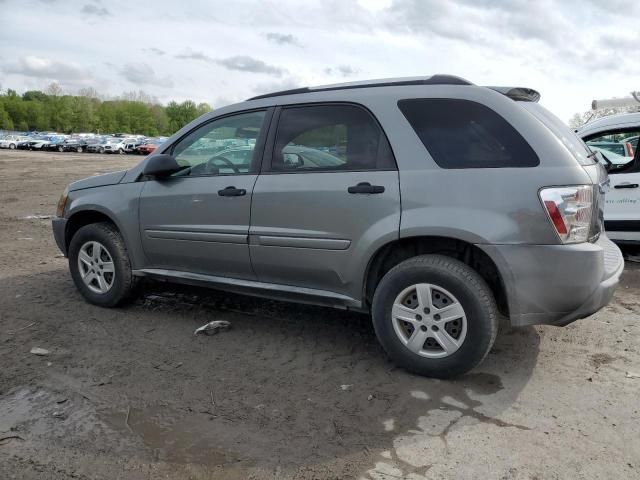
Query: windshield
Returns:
{"type": "Point", "coordinates": [570, 140]}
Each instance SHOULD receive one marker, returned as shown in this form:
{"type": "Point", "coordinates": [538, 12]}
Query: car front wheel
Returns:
{"type": "Point", "coordinates": [100, 265]}
{"type": "Point", "coordinates": [435, 316]}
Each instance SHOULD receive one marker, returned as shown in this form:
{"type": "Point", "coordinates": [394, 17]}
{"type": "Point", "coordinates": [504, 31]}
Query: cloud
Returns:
{"type": "Point", "coordinates": [194, 55]}
{"type": "Point", "coordinates": [155, 50]}
{"type": "Point", "coordinates": [242, 63]}
{"type": "Point", "coordinates": [90, 9]}
{"type": "Point", "coordinates": [342, 71]}
{"type": "Point", "coordinates": [143, 74]}
{"type": "Point", "coordinates": [282, 39]}
{"type": "Point", "coordinates": [245, 63]}
{"type": "Point", "coordinates": [42, 67]}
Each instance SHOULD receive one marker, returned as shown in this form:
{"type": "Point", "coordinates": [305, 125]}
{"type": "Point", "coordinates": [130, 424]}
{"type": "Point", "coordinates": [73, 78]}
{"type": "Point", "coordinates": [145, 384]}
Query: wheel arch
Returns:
{"type": "Point", "coordinates": [392, 253]}
{"type": "Point", "coordinates": [81, 218]}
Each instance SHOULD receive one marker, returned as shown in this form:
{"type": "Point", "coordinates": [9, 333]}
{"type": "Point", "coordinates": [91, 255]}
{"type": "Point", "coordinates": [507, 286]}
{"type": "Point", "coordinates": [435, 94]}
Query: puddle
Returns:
{"type": "Point", "coordinates": [171, 437]}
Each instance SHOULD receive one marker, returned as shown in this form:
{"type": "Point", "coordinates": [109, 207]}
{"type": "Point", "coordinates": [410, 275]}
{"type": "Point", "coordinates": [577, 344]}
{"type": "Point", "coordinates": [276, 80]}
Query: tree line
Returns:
{"type": "Point", "coordinates": [133, 112]}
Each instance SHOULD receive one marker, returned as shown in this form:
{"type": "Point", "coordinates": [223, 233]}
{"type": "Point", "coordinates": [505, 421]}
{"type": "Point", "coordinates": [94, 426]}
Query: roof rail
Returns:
{"type": "Point", "coordinates": [384, 82]}
{"type": "Point", "coordinates": [519, 94]}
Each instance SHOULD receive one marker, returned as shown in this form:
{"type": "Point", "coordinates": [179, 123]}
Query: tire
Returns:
{"type": "Point", "coordinates": [445, 278]}
{"type": "Point", "coordinates": [120, 151]}
{"type": "Point", "coordinates": [101, 150]}
{"type": "Point", "coordinates": [123, 283]}
{"type": "Point", "coordinates": [61, 149]}
{"type": "Point", "coordinates": [12, 146]}
{"type": "Point", "coordinates": [79, 149]}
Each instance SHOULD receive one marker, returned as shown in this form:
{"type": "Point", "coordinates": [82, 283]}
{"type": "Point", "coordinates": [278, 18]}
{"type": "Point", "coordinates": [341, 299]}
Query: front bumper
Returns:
{"type": "Point", "coordinates": [557, 284]}
{"type": "Point", "coordinates": [59, 226]}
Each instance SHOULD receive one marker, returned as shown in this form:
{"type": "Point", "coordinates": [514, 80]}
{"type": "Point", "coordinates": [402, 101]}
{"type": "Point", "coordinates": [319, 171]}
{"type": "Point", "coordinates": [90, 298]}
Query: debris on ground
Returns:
{"type": "Point", "coordinates": [39, 351]}
{"type": "Point", "coordinates": [214, 327]}
{"type": "Point", "coordinates": [346, 387]}
{"type": "Point", "coordinates": [632, 375]}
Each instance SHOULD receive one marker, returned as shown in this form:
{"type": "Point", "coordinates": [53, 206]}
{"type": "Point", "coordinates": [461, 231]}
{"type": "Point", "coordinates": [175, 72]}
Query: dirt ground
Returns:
{"type": "Point", "coordinates": [290, 391]}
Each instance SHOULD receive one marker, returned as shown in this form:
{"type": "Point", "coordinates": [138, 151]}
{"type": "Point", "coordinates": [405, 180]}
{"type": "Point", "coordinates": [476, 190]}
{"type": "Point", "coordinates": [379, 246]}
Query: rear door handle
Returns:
{"type": "Point", "coordinates": [232, 192]}
{"type": "Point", "coordinates": [366, 187]}
{"type": "Point", "coordinates": [626, 185]}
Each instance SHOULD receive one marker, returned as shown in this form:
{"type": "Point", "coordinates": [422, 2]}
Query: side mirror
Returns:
{"type": "Point", "coordinates": [161, 165]}
{"type": "Point", "coordinates": [292, 160]}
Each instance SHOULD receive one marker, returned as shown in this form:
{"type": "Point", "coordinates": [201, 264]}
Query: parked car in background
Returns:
{"type": "Point", "coordinates": [132, 146]}
{"type": "Point", "coordinates": [622, 201]}
{"type": "Point", "coordinates": [509, 222]}
{"type": "Point", "coordinates": [96, 145]}
{"type": "Point", "coordinates": [78, 145]}
{"type": "Point", "coordinates": [37, 143]}
{"type": "Point", "coordinates": [55, 143]}
{"type": "Point", "coordinates": [24, 143]}
{"type": "Point", "coordinates": [115, 145]}
{"type": "Point", "coordinates": [146, 148]}
{"type": "Point", "coordinates": [11, 141]}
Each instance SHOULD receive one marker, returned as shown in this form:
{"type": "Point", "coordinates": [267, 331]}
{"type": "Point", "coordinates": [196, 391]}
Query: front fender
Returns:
{"type": "Point", "coordinates": [119, 203]}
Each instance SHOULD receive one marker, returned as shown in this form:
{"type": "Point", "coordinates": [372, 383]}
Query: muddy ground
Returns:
{"type": "Point", "coordinates": [290, 391]}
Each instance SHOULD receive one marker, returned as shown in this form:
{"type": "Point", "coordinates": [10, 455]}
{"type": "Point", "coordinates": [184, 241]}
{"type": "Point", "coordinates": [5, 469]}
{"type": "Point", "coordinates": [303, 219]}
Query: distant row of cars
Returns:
{"type": "Point", "coordinates": [54, 142]}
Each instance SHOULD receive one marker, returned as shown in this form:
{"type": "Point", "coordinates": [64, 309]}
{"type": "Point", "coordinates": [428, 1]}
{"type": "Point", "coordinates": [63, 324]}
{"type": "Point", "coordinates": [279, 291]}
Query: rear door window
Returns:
{"type": "Point", "coordinates": [336, 137]}
{"type": "Point", "coordinates": [465, 134]}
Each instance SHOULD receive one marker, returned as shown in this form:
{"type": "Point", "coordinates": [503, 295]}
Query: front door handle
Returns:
{"type": "Point", "coordinates": [626, 185]}
{"type": "Point", "coordinates": [366, 187]}
{"type": "Point", "coordinates": [232, 192]}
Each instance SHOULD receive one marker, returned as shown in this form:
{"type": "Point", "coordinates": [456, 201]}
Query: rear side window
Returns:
{"type": "Point", "coordinates": [329, 138]}
{"type": "Point", "coordinates": [465, 134]}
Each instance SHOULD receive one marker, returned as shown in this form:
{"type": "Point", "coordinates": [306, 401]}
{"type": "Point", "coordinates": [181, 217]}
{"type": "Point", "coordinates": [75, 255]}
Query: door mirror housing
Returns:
{"type": "Point", "coordinates": [160, 166]}
{"type": "Point", "coordinates": [292, 160]}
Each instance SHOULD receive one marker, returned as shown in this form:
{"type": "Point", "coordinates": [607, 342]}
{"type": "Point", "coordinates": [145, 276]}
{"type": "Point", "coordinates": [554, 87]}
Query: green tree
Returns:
{"type": "Point", "coordinates": [134, 112]}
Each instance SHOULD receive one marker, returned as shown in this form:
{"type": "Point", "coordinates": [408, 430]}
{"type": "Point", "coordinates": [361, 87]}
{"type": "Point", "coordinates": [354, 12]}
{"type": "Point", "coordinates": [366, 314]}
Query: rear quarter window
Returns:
{"type": "Point", "coordinates": [465, 134]}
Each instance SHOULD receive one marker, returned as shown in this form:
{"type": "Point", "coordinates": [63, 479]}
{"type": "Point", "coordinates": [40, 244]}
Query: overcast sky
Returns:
{"type": "Point", "coordinates": [225, 51]}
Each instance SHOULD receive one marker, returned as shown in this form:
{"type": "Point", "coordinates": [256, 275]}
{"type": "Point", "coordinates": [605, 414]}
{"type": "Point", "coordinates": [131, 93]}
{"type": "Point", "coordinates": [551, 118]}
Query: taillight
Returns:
{"type": "Point", "coordinates": [570, 210]}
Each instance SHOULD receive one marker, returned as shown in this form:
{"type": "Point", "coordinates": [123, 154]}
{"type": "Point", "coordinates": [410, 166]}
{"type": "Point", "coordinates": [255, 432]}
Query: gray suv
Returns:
{"type": "Point", "coordinates": [433, 204]}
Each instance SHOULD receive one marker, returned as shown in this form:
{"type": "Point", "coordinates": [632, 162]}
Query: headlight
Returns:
{"type": "Point", "coordinates": [62, 203]}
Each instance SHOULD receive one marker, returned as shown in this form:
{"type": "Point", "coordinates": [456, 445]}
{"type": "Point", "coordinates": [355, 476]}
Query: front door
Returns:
{"type": "Point", "coordinates": [619, 149]}
{"type": "Point", "coordinates": [327, 196]}
{"type": "Point", "coordinates": [198, 219]}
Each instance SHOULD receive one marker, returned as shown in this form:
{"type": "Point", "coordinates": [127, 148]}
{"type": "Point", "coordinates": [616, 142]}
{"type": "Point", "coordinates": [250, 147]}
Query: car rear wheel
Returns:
{"type": "Point", "coordinates": [100, 265]}
{"type": "Point", "coordinates": [435, 316]}
{"type": "Point", "coordinates": [12, 146]}
{"type": "Point", "coordinates": [79, 149]}
{"type": "Point", "coordinates": [61, 149]}
{"type": "Point", "coordinates": [101, 150]}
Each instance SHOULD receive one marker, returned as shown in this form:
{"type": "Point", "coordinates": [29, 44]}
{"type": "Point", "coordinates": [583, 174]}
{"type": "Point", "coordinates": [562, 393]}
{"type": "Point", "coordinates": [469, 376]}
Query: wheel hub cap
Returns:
{"type": "Point", "coordinates": [429, 320]}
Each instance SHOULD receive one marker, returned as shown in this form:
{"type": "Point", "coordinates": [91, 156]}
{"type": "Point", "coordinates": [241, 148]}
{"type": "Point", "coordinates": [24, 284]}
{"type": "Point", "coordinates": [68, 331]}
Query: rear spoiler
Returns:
{"type": "Point", "coordinates": [519, 94]}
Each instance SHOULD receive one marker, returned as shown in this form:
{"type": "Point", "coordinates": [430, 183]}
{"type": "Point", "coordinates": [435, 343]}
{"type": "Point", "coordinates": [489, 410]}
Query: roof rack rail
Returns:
{"type": "Point", "coordinates": [384, 82]}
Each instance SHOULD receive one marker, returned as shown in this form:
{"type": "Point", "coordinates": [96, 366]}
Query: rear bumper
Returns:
{"type": "Point", "coordinates": [59, 226]}
{"type": "Point", "coordinates": [557, 284]}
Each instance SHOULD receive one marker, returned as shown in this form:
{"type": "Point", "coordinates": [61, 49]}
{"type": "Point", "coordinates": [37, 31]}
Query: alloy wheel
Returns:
{"type": "Point", "coordinates": [96, 267]}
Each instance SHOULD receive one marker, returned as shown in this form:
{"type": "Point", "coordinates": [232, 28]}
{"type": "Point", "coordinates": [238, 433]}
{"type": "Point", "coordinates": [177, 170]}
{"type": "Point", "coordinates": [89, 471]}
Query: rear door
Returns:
{"type": "Point", "coordinates": [198, 219]}
{"type": "Point", "coordinates": [619, 149]}
{"type": "Point", "coordinates": [327, 195]}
